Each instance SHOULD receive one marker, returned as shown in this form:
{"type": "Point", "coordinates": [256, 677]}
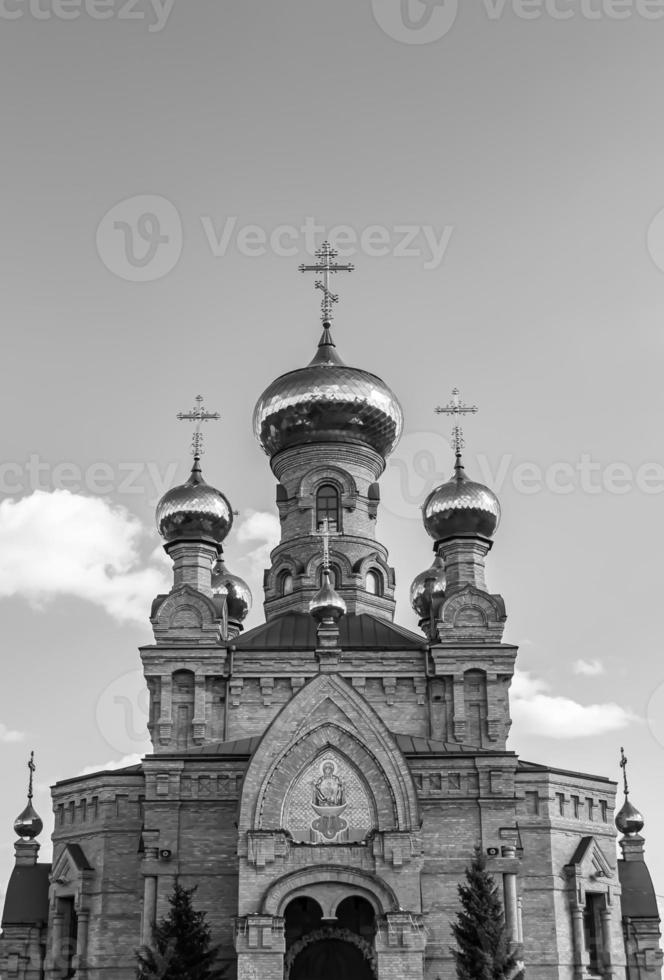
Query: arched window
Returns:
{"type": "Point", "coordinates": [373, 583]}
{"type": "Point", "coordinates": [286, 583]}
{"type": "Point", "coordinates": [327, 506]}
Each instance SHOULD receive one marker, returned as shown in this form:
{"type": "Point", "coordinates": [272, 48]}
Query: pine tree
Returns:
{"type": "Point", "coordinates": [181, 944]}
{"type": "Point", "coordinates": [483, 951]}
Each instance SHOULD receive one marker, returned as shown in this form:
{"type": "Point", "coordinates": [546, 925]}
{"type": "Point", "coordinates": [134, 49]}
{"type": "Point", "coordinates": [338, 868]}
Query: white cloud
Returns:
{"type": "Point", "coordinates": [123, 763]}
{"type": "Point", "coordinates": [588, 668]}
{"type": "Point", "coordinates": [65, 544]}
{"type": "Point", "coordinates": [536, 712]}
{"type": "Point", "coordinates": [263, 529]}
{"type": "Point", "coordinates": [9, 734]}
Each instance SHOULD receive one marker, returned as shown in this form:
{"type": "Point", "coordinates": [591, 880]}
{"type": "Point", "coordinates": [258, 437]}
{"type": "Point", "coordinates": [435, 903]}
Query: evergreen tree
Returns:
{"type": "Point", "coordinates": [181, 944]}
{"type": "Point", "coordinates": [483, 951]}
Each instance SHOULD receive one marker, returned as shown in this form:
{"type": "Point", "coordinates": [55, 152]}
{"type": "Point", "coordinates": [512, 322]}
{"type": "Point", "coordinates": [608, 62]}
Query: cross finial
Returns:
{"type": "Point", "coordinates": [198, 415]}
{"type": "Point", "coordinates": [326, 266]}
{"type": "Point", "coordinates": [623, 766]}
{"type": "Point", "coordinates": [325, 534]}
{"type": "Point", "coordinates": [456, 409]}
{"type": "Point", "coordinates": [31, 767]}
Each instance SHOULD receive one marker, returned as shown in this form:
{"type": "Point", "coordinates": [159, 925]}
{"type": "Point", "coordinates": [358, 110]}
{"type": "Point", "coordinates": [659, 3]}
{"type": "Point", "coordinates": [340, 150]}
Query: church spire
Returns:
{"type": "Point", "coordinates": [28, 824]}
{"type": "Point", "coordinates": [628, 819]}
{"type": "Point", "coordinates": [325, 267]}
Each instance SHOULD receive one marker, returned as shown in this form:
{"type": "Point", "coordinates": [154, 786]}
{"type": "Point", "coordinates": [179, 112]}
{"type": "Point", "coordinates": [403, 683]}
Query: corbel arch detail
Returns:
{"type": "Point", "coordinates": [350, 881]}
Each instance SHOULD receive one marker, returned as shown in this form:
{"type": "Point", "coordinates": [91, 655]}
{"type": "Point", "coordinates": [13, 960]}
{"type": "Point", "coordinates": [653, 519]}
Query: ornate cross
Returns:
{"type": "Point", "coordinates": [324, 533]}
{"type": "Point", "coordinates": [198, 415]}
{"type": "Point", "coordinates": [31, 767]}
{"type": "Point", "coordinates": [456, 409]}
{"type": "Point", "coordinates": [326, 265]}
{"type": "Point", "coordinates": [623, 766]}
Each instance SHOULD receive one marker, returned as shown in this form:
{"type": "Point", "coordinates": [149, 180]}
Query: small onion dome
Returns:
{"type": "Point", "coordinates": [238, 594]}
{"type": "Point", "coordinates": [194, 510]}
{"type": "Point", "coordinates": [428, 587]}
{"type": "Point", "coordinates": [461, 506]}
{"type": "Point", "coordinates": [628, 819]}
{"type": "Point", "coordinates": [28, 824]}
{"type": "Point", "coordinates": [327, 606]}
{"type": "Point", "coordinates": [328, 401]}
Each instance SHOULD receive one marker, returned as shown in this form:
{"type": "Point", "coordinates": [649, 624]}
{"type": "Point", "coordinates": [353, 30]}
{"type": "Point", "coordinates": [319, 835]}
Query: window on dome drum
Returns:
{"type": "Point", "coordinates": [286, 584]}
{"type": "Point", "coordinates": [374, 583]}
{"type": "Point", "coordinates": [327, 506]}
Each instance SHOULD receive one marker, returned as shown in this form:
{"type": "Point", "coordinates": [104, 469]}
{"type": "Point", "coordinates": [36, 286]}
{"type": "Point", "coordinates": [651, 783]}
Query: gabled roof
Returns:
{"type": "Point", "coordinates": [26, 902]}
{"type": "Point", "coordinates": [357, 631]}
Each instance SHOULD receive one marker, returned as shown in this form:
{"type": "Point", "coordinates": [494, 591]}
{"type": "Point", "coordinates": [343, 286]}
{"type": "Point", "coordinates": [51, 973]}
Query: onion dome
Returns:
{"type": "Point", "coordinates": [327, 607]}
{"type": "Point", "coordinates": [327, 401]}
{"type": "Point", "coordinates": [28, 824]}
{"type": "Point", "coordinates": [194, 510]}
{"type": "Point", "coordinates": [460, 507]}
{"type": "Point", "coordinates": [428, 588]}
{"type": "Point", "coordinates": [238, 594]}
{"type": "Point", "coordinates": [628, 819]}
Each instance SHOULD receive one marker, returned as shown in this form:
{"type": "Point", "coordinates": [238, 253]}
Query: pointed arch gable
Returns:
{"type": "Point", "coordinates": [328, 712]}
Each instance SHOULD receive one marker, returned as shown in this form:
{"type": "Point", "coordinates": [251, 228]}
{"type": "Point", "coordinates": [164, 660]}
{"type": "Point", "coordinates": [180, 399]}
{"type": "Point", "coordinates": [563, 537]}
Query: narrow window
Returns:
{"type": "Point", "coordinates": [592, 927]}
{"type": "Point", "coordinates": [561, 803]}
{"type": "Point", "coordinates": [576, 804]}
{"type": "Point", "coordinates": [532, 803]}
{"type": "Point", "coordinates": [286, 584]}
{"type": "Point", "coordinates": [373, 583]}
{"type": "Point", "coordinates": [591, 808]}
{"type": "Point", "coordinates": [327, 506]}
{"type": "Point", "coordinates": [603, 810]}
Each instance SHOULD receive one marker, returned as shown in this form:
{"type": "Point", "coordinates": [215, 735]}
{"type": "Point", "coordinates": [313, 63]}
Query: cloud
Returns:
{"type": "Point", "coordinates": [66, 544]}
{"type": "Point", "coordinates": [123, 763]}
{"type": "Point", "coordinates": [9, 734]}
{"type": "Point", "coordinates": [264, 530]}
{"type": "Point", "coordinates": [588, 668]}
{"type": "Point", "coordinates": [536, 712]}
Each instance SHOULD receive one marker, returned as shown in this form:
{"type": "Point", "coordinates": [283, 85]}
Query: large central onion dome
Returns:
{"type": "Point", "coordinates": [194, 510]}
{"type": "Point", "coordinates": [461, 506]}
{"type": "Point", "coordinates": [327, 401]}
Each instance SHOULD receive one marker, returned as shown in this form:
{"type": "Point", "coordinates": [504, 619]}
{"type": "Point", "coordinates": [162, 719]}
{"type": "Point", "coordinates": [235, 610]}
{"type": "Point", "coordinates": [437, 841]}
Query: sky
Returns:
{"type": "Point", "coordinates": [495, 173]}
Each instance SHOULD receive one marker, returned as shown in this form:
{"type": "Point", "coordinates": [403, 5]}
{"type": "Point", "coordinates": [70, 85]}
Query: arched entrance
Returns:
{"type": "Point", "coordinates": [331, 949]}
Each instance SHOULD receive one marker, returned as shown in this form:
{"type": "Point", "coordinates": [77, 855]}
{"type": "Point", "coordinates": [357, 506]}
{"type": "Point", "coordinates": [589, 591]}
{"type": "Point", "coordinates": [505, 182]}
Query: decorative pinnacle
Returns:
{"type": "Point", "coordinates": [198, 415]}
{"type": "Point", "coordinates": [31, 767]}
{"type": "Point", "coordinates": [326, 266]}
{"type": "Point", "coordinates": [456, 409]}
{"type": "Point", "coordinates": [623, 766]}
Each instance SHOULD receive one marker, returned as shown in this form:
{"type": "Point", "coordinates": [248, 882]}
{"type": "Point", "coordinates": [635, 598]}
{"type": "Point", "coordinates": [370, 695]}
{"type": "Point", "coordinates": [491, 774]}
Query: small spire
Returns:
{"type": "Point", "coordinates": [629, 820]}
{"type": "Point", "coordinates": [28, 824]}
{"type": "Point", "coordinates": [327, 349]}
{"type": "Point", "coordinates": [623, 766]}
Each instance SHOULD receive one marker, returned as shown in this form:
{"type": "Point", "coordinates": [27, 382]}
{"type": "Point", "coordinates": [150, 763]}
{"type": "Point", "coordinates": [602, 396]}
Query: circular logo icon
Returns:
{"type": "Point", "coordinates": [140, 239]}
{"type": "Point", "coordinates": [415, 21]}
{"type": "Point", "coordinates": [122, 714]}
{"type": "Point", "coordinates": [421, 461]}
{"type": "Point", "coordinates": [655, 714]}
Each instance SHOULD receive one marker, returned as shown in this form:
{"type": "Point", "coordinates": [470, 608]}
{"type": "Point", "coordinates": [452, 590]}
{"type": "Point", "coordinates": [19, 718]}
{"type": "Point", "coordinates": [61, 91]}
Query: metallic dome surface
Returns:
{"type": "Point", "coordinates": [194, 510]}
{"type": "Point", "coordinates": [28, 824]}
{"type": "Point", "coordinates": [628, 819]}
{"type": "Point", "coordinates": [238, 594]}
{"type": "Point", "coordinates": [428, 588]}
{"type": "Point", "coordinates": [328, 401]}
{"type": "Point", "coordinates": [461, 506]}
{"type": "Point", "coordinates": [327, 606]}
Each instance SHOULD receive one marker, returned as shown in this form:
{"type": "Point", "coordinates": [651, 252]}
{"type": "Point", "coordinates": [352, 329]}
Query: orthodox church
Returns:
{"type": "Point", "coordinates": [324, 778]}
